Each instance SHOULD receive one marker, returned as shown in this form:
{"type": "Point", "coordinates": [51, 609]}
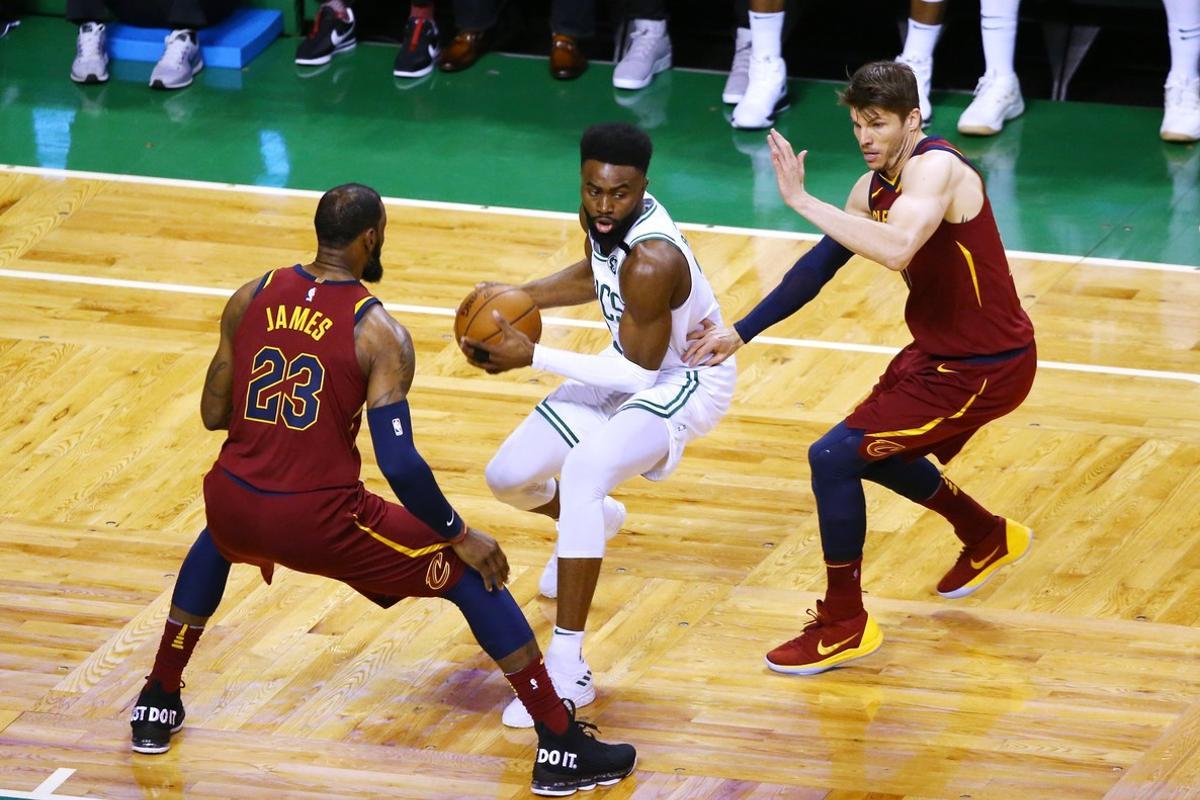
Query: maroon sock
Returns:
{"type": "Point", "coordinates": [533, 686]}
{"type": "Point", "coordinates": [971, 521]}
{"type": "Point", "coordinates": [421, 10]}
{"type": "Point", "coordinates": [178, 641]}
{"type": "Point", "coordinates": [843, 595]}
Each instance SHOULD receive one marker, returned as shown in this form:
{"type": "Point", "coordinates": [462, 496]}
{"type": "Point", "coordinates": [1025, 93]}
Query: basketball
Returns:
{"type": "Point", "coordinates": [474, 317]}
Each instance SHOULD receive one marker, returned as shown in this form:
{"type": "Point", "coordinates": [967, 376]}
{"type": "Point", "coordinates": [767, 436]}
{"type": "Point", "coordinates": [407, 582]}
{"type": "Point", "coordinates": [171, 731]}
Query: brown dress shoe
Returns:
{"type": "Point", "coordinates": [567, 61]}
{"type": "Point", "coordinates": [464, 51]}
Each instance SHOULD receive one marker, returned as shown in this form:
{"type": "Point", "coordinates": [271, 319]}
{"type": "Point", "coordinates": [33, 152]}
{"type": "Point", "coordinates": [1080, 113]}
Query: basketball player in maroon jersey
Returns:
{"type": "Point", "coordinates": [922, 211]}
{"type": "Point", "coordinates": [302, 350]}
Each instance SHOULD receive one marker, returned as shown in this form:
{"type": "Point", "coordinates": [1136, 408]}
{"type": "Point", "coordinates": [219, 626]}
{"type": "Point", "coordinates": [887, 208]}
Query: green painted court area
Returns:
{"type": "Point", "coordinates": [1068, 178]}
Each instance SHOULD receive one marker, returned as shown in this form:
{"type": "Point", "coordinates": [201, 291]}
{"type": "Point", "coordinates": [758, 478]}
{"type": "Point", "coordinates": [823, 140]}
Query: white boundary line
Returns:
{"type": "Point", "coordinates": [767, 233]}
{"type": "Point", "coordinates": [45, 790]}
{"type": "Point", "coordinates": [404, 308]}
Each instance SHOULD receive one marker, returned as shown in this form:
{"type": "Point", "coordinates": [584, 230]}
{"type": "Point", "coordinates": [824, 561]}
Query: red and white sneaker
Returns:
{"type": "Point", "coordinates": [826, 644]}
{"type": "Point", "coordinates": [979, 562]}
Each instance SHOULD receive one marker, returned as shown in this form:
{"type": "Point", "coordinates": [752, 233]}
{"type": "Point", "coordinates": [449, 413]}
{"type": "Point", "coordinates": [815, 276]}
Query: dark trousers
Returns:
{"type": "Point", "coordinates": [193, 14]}
{"type": "Point", "coordinates": [571, 17]}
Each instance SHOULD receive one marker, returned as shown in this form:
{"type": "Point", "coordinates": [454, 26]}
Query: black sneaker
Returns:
{"type": "Point", "coordinates": [577, 759]}
{"type": "Point", "coordinates": [418, 49]}
{"type": "Point", "coordinates": [331, 34]}
{"type": "Point", "coordinates": [156, 715]}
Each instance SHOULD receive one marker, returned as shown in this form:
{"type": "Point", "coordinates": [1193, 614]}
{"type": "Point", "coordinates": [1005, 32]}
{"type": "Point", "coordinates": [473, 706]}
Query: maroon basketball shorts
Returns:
{"type": "Point", "coordinates": [349, 534]}
{"type": "Point", "coordinates": [923, 404]}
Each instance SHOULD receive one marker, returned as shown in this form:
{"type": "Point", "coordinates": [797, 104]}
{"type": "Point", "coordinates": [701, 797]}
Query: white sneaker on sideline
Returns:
{"type": "Point", "coordinates": [647, 53]}
{"type": "Point", "coordinates": [766, 94]}
{"type": "Point", "coordinates": [91, 54]}
{"type": "Point", "coordinates": [739, 70]}
{"type": "Point", "coordinates": [923, 69]}
{"type": "Point", "coordinates": [1181, 111]}
{"type": "Point", "coordinates": [997, 100]}
{"type": "Point", "coordinates": [614, 518]}
{"type": "Point", "coordinates": [179, 63]}
{"type": "Point", "coordinates": [575, 686]}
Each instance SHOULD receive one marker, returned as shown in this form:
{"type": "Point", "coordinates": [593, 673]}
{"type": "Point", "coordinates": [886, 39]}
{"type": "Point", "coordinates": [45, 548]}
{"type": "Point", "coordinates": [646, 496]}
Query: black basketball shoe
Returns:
{"type": "Point", "coordinates": [577, 759]}
{"type": "Point", "coordinates": [331, 34]}
{"type": "Point", "coordinates": [156, 715]}
{"type": "Point", "coordinates": [418, 49]}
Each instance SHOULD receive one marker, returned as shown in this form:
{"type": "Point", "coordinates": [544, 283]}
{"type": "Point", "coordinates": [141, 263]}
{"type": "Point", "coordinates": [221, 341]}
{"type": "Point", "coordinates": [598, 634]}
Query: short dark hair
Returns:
{"type": "Point", "coordinates": [885, 85]}
{"type": "Point", "coordinates": [346, 211]}
{"type": "Point", "coordinates": [616, 143]}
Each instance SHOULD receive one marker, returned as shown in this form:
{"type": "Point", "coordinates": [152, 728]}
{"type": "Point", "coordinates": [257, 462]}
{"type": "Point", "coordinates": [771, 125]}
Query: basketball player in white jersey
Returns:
{"type": "Point", "coordinates": [629, 410]}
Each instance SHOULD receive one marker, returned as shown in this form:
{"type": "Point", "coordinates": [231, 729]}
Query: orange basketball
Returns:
{"type": "Point", "coordinates": [474, 317]}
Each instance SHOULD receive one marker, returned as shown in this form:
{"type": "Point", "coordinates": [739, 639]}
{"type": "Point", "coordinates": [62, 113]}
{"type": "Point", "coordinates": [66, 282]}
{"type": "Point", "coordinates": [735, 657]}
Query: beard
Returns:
{"type": "Point", "coordinates": [373, 271]}
{"type": "Point", "coordinates": [607, 241]}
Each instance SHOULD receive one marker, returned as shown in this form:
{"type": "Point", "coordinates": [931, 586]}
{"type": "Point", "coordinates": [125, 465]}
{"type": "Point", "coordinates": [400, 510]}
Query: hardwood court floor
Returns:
{"type": "Point", "coordinates": [1073, 675]}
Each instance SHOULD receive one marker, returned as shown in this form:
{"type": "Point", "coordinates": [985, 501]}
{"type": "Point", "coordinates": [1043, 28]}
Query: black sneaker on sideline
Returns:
{"type": "Point", "coordinates": [418, 49]}
{"type": "Point", "coordinates": [331, 34]}
{"type": "Point", "coordinates": [577, 760]}
{"type": "Point", "coordinates": [156, 715]}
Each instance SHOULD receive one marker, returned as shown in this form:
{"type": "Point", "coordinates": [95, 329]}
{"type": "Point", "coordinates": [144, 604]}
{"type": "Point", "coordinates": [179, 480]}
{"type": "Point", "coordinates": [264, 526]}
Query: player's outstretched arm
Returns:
{"type": "Point", "coordinates": [386, 354]}
{"type": "Point", "coordinates": [216, 401]}
{"type": "Point", "coordinates": [712, 344]}
{"type": "Point", "coordinates": [911, 220]}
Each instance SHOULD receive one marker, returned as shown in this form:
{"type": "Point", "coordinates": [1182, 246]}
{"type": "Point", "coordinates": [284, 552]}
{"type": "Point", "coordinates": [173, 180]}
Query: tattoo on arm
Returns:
{"type": "Point", "coordinates": [216, 371]}
{"type": "Point", "coordinates": [393, 363]}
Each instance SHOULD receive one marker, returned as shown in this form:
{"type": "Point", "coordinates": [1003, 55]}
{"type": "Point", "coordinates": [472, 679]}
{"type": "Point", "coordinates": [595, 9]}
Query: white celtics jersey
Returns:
{"type": "Point", "coordinates": [701, 304]}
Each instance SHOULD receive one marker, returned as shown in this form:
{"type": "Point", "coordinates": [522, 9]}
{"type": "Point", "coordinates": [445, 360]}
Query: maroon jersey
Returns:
{"type": "Point", "coordinates": [298, 390]}
{"type": "Point", "coordinates": [961, 301]}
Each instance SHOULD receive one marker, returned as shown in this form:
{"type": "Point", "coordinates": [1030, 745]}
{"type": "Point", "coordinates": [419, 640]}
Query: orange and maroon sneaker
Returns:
{"type": "Point", "coordinates": [826, 644]}
{"type": "Point", "coordinates": [977, 563]}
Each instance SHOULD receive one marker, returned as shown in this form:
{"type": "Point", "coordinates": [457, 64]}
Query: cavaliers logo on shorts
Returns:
{"type": "Point", "coordinates": [438, 572]}
{"type": "Point", "coordinates": [882, 447]}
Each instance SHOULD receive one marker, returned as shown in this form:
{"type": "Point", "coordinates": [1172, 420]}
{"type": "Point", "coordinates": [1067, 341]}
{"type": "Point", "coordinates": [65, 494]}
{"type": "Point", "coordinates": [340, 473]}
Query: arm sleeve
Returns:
{"type": "Point", "coordinates": [801, 284]}
{"type": "Point", "coordinates": [409, 476]}
{"type": "Point", "coordinates": [619, 374]}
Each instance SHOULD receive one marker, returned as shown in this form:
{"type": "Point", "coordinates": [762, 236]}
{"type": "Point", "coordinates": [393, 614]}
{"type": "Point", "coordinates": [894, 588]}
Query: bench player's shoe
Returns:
{"type": "Point", "coordinates": [577, 760]}
{"type": "Point", "coordinates": [1181, 111]}
{"type": "Point", "coordinates": [766, 94]}
{"type": "Point", "coordinates": [332, 34]}
{"type": "Point", "coordinates": [997, 100]}
{"type": "Point", "coordinates": [826, 643]}
{"type": "Point", "coordinates": [419, 49]}
{"type": "Point", "coordinates": [91, 54]}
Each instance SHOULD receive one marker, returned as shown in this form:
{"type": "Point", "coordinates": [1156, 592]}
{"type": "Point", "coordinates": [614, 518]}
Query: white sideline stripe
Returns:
{"type": "Point", "coordinates": [45, 790]}
{"type": "Point", "coordinates": [404, 308]}
{"type": "Point", "coordinates": [765, 233]}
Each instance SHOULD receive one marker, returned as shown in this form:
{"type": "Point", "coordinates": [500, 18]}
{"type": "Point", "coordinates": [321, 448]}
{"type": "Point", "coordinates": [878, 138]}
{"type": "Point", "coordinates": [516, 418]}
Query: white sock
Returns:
{"type": "Point", "coordinates": [1183, 31]}
{"type": "Point", "coordinates": [921, 38]}
{"type": "Point", "coordinates": [566, 647]}
{"type": "Point", "coordinates": [766, 35]}
{"type": "Point", "coordinates": [998, 27]}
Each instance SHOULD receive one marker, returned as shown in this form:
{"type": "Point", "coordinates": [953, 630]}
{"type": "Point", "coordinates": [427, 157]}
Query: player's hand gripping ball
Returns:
{"type": "Point", "coordinates": [474, 319]}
